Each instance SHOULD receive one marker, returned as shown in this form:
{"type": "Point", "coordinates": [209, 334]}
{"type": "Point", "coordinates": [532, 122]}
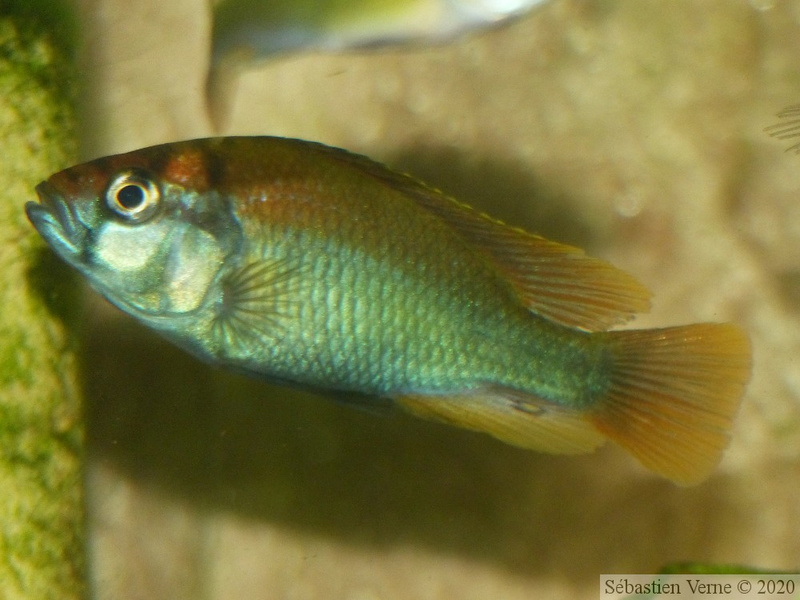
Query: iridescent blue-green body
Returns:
{"type": "Point", "coordinates": [366, 309]}
{"type": "Point", "coordinates": [305, 264]}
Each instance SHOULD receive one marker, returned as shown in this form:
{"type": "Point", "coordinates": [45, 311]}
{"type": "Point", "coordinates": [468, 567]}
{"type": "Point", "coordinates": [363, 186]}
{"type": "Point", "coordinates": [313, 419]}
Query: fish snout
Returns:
{"type": "Point", "coordinates": [54, 218]}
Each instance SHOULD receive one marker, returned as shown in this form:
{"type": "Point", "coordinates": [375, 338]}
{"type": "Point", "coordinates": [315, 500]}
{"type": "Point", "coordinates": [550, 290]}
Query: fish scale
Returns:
{"type": "Point", "coordinates": [375, 299]}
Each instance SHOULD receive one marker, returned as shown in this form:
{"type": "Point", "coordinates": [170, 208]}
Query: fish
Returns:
{"type": "Point", "coordinates": [308, 265]}
{"type": "Point", "coordinates": [247, 33]}
{"type": "Point", "coordinates": [788, 128]}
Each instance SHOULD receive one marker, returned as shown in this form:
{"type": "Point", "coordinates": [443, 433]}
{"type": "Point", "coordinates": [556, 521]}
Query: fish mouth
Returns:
{"type": "Point", "coordinates": [55, 220]}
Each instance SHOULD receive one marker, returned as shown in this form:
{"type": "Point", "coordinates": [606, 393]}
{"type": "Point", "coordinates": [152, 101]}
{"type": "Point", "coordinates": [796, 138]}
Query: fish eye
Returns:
{"type": "Point", "coordinates": [133, 196]}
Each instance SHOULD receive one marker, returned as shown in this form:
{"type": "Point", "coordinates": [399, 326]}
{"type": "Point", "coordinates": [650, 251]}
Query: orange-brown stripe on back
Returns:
{"type": "Point", "coordinates": [189, 167]}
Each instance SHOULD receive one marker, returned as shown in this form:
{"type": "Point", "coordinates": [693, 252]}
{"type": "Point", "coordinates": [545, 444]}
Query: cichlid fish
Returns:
{"type": "Point", "coordinates": [249, 32]}
{"type": "Point", "coordinates": [789, 129]}
{"type": "Point", "coordinates": [301, 263]}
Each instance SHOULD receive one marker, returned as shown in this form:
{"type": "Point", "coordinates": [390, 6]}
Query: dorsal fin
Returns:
{"type": "Point", "coordinates": [556, 281]}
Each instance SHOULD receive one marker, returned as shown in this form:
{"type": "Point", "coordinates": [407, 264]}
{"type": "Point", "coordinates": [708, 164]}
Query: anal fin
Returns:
{"type": "Point", "coordinates": [511, 416]}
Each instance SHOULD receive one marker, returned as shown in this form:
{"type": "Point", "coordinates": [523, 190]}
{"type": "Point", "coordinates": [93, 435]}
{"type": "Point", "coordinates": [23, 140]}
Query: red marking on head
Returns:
{"type": "Point", "coordinates": [82, 181]}
{"type": "Point", "coordinates": [188, 168]}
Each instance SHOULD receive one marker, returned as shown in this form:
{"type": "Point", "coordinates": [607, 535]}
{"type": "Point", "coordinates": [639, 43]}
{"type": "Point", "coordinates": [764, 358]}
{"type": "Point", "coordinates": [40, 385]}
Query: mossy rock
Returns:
{"type": "Point", "coordinates": [41, 434]}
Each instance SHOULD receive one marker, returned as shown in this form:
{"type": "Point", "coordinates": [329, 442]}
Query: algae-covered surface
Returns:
{"type": "Point", "coordinates": [41, 428]}
{"type": "Point", "coordinates": [632, 128]}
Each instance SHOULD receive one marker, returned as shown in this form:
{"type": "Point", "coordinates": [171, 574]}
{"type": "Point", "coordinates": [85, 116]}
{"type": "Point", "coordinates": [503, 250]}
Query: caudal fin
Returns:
{"type": "Point", "coordinates": [674, 393]}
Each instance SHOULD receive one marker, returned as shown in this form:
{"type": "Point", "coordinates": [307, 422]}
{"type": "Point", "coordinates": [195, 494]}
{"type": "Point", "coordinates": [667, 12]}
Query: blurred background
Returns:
{"type": "Point", "coordinates": [631, 128]}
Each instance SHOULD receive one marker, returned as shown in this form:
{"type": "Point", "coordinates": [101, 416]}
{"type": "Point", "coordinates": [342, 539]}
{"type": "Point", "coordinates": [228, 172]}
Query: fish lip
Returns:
{"type": "Point", "coordinates": [54, 219]}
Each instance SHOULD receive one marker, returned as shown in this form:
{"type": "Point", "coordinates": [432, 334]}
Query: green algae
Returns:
{"type": "Point", "coordinates": [41, 433]}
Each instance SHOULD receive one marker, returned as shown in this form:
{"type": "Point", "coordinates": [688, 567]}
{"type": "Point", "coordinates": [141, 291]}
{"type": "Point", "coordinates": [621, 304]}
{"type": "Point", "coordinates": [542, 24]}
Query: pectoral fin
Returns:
{"type": "Point", "coordinates": [257, 301]}
{"type": "Point", "coordinates": [511, 416]}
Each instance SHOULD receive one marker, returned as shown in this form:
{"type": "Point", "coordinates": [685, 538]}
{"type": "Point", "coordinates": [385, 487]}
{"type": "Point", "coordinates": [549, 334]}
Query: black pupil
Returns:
{"type": "Point", "coordinates": [131, 197]}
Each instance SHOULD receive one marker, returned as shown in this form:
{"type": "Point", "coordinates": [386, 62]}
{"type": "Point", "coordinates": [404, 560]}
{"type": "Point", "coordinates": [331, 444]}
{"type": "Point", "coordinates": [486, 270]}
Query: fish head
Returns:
{"type": "Point", "coordinates": [152, 240]}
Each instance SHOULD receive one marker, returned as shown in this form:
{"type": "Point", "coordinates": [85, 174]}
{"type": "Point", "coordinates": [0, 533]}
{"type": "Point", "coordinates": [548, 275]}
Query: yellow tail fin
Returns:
{"type": "Point", "coordinates": [673, 396]}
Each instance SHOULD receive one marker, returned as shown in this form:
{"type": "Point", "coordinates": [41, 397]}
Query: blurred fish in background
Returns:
{"type": "Point", "coordinates": [789, 128]}
{"type": "Point", "coordinates": [248, 32]}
